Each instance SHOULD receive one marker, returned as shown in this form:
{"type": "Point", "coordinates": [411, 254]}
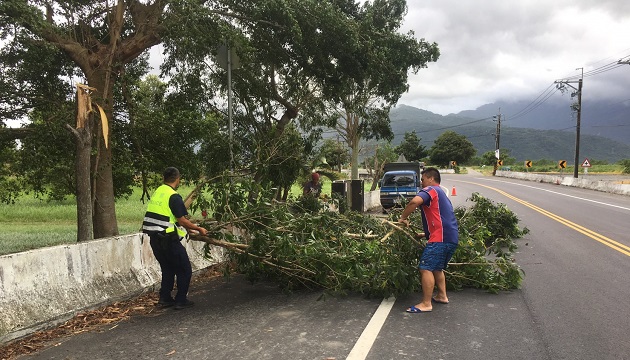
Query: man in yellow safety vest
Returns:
{"type": "Point", "coordinates": [166, 224]}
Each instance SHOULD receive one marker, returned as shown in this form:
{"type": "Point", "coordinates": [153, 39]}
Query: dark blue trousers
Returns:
{"type": "Point", "coordinates": [174, 263]}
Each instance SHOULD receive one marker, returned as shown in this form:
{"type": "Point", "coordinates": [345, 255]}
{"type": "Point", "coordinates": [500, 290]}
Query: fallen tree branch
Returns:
{"type": "Point", "coordinates": [242, 249]}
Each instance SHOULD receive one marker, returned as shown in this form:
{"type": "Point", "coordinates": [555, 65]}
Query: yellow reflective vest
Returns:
{"type": "Point", "coordinates": [159, 218]}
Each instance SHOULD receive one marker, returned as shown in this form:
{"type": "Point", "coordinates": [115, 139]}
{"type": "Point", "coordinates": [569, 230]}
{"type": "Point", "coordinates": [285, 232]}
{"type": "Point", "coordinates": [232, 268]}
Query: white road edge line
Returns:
{"type": "Point", "coordinates": [366, 340]}
{"type": "Point", "coordinates": [559, 193]}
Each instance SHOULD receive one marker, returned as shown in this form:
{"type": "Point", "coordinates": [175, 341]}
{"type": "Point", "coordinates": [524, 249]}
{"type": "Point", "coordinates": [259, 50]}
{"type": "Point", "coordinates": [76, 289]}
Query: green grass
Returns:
{"type": "Point", "coordinates": [32, 223]}
{"type": "Point", "coordinates": [296, 189]}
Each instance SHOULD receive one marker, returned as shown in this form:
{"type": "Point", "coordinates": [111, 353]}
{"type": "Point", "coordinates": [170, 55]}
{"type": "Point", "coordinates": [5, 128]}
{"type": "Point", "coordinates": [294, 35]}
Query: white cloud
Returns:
{"type": "Point", "coordinates": [507, 50]}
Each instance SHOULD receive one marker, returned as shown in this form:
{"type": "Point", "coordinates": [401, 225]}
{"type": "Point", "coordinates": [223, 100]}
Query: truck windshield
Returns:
{"type": "Point", "coordinates": [398, 180]}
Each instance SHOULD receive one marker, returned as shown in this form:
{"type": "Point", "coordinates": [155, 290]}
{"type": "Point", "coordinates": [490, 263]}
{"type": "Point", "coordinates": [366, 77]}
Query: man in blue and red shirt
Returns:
{"type": "Point", "coordinates": [440, 228]}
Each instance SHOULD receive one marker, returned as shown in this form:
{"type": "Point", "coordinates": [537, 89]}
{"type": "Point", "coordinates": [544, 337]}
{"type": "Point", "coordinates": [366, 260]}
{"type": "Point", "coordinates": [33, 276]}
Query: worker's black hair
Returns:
{"type": "Point", "coordinates": [170, 175]}
{"type": "Point", "coordinates": [433, 173]}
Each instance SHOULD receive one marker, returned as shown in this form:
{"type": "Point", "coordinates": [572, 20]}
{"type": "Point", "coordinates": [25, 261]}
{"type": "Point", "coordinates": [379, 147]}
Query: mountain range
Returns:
{"type": "Point", "coordinates": [547, 131]}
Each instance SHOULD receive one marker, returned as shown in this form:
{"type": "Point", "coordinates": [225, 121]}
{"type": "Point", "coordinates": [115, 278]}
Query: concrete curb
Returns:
{"type": "Point", "coordinates": [599, 185]}
{"type": "Point", "coordinates": [45, 287]}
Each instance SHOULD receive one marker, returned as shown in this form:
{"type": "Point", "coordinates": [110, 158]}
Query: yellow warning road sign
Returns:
{"type": "Point", "coordinates": [562, 164]}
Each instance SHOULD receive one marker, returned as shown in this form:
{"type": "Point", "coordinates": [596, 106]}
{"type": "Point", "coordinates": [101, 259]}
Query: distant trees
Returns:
{"type": "Point", "coordinates": [488, 158]}
{"type": "Point", "coordinates": [451, 146]}
{"type": "Point", "coordinates": [383, 154]}
{"type": "Point", "coordinates": [411, 148]}
{"type": "Point", "coordinates": [335, 153]}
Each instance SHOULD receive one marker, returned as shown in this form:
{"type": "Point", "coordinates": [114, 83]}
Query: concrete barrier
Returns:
{"type": "Point", "coordinates": [45, 287]}
{"type": "Point", "coordinates": [599, 185]}
{"type": "Point", "coordinates": [371, 200]}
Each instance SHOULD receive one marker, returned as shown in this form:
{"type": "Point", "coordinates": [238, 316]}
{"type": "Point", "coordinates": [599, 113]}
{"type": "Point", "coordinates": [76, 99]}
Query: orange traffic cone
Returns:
{"type": "Point", "coordinates": [454, 192]}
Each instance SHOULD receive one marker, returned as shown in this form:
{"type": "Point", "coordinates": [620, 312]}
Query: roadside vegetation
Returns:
{"type": "Point", "coordinates": [485, 163]}
{"type": "Point", "coordinates": [32, 223]}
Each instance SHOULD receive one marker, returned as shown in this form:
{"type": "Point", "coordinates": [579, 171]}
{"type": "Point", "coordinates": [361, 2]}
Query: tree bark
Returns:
{"type": "Point", "coordinates": [104, 216]}
{"type": "Point", "coordinates": [83, 137]}
{"type": "Point", "coordinates": [353, 138]}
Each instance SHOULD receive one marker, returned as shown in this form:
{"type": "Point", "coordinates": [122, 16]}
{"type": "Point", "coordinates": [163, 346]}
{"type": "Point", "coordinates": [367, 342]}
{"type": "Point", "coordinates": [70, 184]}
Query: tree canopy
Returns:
{"type": "Point", "coordinates": [451, 146]}
{"type": "Point", "coordinates": [298, 61]}
{"type": "Point", "coordinates": [411, 148]}
{"type": "Point", "coordinates": [364, 102]}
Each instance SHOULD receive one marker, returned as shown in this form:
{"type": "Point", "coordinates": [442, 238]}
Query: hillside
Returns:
{"type": "Point", "coordinates": [523, 143]}
{"type": "Point", "coordinates": [608, 119]}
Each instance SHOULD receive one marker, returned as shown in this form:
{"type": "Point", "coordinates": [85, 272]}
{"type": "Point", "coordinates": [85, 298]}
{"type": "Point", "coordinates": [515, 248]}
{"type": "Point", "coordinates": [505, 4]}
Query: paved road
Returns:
{"type": "Point", "coordinates": [575, 260]}
{"type": "Point", "coordinates": [573, 304]}
{"type": "Point", "coordinates": [238, 320]}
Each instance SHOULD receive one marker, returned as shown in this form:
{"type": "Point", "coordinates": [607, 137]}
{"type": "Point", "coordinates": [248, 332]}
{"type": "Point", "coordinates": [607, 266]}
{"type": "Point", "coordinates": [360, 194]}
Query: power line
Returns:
{"type": "Point", "coordinates": [546, 94]}
{"type": "Point", "coordinates": [599, 70]}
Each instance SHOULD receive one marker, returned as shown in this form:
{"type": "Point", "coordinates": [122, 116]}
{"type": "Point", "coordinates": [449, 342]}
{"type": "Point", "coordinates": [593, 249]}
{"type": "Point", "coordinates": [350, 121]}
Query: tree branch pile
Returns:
{"type": "Point", "coordinates": [299, 245]}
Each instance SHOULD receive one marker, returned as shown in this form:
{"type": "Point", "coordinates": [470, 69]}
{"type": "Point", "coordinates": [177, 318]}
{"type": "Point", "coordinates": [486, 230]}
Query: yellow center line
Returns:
{"type": "Point", "coordinates": [624, 249]}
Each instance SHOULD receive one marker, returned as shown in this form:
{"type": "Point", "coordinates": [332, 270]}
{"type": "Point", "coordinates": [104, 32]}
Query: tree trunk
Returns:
{"type": "Point", "coordinates": [83, 141]}
{"type": "Point", "coordinates": [375, 171]}
{"type": "Point", "coordinates": [355, 160]}
{"type": "Point", "coordinates": [105, 223]}
{"type": "Point", "coordinates": [83, 135]}
{"type": "Point", "coordinates": [354, 138]}
{"type": "Point", "coordinates": [85, 229]}
{"type": "Point", "coordinates": [104, 217]}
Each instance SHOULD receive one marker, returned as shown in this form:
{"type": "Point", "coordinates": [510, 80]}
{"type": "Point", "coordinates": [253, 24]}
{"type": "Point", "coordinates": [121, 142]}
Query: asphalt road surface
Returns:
{"type": "Point", "coordinates": [574, 302]}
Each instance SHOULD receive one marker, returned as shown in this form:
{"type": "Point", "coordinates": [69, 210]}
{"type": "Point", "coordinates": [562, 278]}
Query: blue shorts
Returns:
{"type": "Point", "coordinates": [436, 256]}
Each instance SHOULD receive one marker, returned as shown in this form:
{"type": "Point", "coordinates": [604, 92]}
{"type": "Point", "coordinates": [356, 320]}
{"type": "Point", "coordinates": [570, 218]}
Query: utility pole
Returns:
{"type": "Point", "coordinates": [562, 87]}
{"type": "Point", "coordinates": [497, 138]}
{"type": "Point", "coordinates": [229, 60]}
{"type": "Point", "coordinates": [577, 128]}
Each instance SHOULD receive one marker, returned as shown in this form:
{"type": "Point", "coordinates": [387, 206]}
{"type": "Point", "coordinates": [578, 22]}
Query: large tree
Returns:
{"type": "Point", "coordinates": [365, 97]}
{"type": "Point", "coordinates": [296, 57]}
{"type": "Point", "coordinates": [99, 37]}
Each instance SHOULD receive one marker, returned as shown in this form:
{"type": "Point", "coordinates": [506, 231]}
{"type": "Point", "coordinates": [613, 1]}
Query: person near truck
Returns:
{"type": "Point", "coordinates": [313, 187]}
{"type": "Point", "coordinates": [166, 224]}
{"type": "Point", "coordinates": [441, 229]}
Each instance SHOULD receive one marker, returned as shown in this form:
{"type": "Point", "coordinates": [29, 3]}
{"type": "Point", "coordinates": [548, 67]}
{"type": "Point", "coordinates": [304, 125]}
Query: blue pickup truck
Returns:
{"type": "Point", "coordinates": [401, 180]}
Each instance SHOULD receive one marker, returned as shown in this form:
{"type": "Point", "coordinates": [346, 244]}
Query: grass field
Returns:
{"type": "Point", "coordinates": [32, 223]}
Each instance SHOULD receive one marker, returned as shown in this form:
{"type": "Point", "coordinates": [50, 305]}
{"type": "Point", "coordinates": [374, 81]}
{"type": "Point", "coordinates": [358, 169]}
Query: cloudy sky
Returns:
{"type": "Point", "coordinates": [514, 49]}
